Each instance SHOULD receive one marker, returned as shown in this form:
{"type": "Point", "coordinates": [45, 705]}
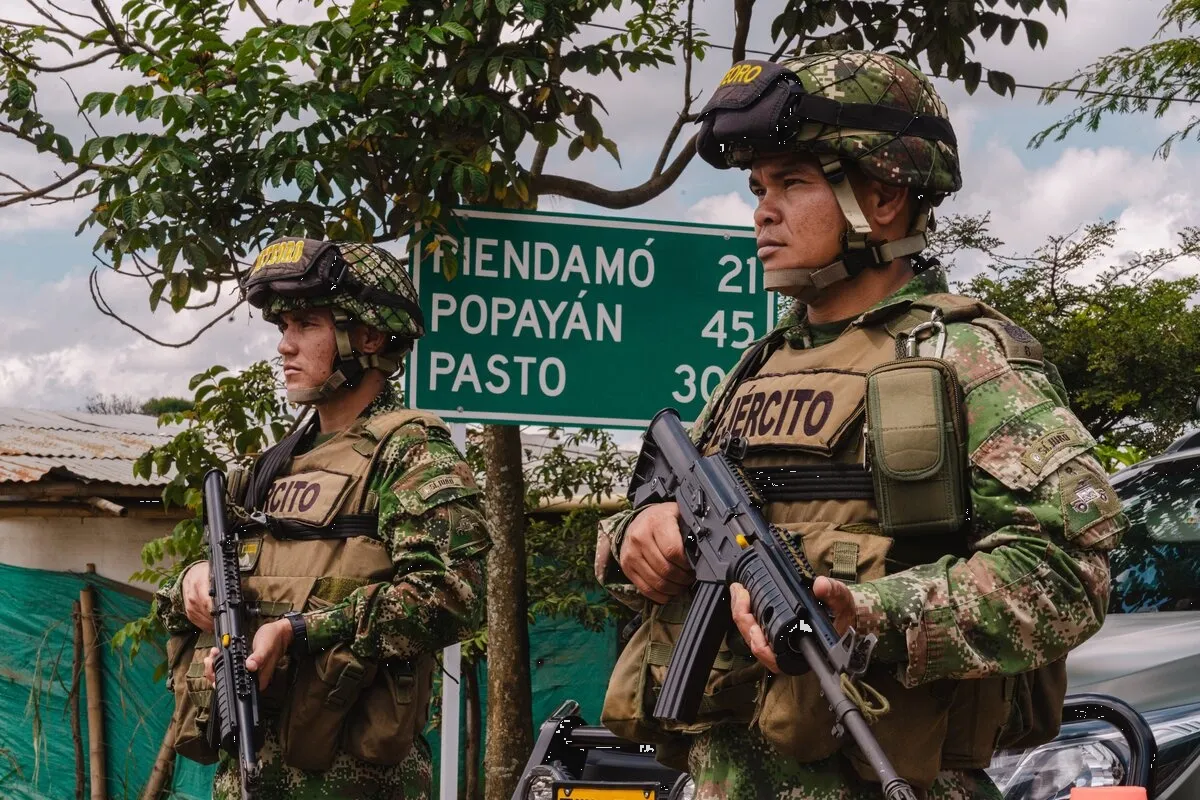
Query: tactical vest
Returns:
{"type": "Point", "coordinates": [313, 555]}
{"type": "Point", "coordinates": [803, 414]}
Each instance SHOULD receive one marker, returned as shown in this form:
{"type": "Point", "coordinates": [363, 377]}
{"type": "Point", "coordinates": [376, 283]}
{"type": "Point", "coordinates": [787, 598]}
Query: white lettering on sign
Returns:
{"type": "Point", "coordinates": [597, 322]}
{"type": "Point", "coordinates": [503, 373]}
{"type": "Point", "coordinates": [545, 261]}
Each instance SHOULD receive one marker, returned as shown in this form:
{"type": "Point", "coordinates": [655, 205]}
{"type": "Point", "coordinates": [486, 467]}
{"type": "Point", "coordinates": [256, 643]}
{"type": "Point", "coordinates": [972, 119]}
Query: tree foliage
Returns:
{"type": "Point", "coordinates": [1125, 338]}
{"type": "Point", "coordinates": [359, 120]}
{"type": "Point", "coordinates": [1135, 80]}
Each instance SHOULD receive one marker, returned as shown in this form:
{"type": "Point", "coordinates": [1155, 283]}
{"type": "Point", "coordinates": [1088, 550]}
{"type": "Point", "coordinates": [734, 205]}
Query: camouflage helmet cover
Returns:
{"type": "Point", "coordinates": [889, 118]}
{"type": "Point", "coordinates": [374, 289]}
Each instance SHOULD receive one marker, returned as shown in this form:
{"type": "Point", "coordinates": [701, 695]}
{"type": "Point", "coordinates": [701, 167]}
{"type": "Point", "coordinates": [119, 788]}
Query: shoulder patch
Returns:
{"type": "Point", "coordinates": [1016, 342]}
{"type": "Point", "coordinates": [430, 488]}
{"type": "Point", "coordinates": [1030, 445]}
{"type": "Point", "coordinates": [1090, 507]}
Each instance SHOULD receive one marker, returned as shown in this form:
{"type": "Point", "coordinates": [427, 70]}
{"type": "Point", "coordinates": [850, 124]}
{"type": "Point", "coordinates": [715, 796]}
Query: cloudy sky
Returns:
{"type": "Point", "coordinates": [56, 349]}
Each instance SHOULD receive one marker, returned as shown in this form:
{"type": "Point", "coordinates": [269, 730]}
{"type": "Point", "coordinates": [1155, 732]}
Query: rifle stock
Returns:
{"type": "Point", "coordinates": [727, 540]}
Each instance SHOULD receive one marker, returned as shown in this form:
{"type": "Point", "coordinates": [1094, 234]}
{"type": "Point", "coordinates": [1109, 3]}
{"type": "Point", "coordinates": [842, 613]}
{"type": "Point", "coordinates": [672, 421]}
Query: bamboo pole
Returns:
{"type": "Point", "coordinates": [95, 706]}
{"type": "Point", "coordinates": [76, 674]}
{"type": "Point", "coordinates": [164, 766]}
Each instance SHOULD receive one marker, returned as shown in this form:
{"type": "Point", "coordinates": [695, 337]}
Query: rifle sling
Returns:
{"type": "Point", "coordinates": [270, 462]}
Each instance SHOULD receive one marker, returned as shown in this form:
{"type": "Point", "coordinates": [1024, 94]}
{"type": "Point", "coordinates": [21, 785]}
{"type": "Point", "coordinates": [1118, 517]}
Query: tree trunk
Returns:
{"type": "Point", "coordinates": [509, 712]}
{"type": "Point", "coordinates": [474, 729]}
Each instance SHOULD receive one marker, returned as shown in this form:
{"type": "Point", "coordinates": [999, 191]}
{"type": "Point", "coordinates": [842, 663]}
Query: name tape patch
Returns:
{"type": "Point", "coordinates": [430, 488]}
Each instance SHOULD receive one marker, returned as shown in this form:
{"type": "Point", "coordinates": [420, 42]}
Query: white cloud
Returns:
{"type": "Point", "coordinates": [58, 349]}
{"type": "Point", "coordinates": [1151, 199]}
{"type": "Point", "coordinates": [722, 209]}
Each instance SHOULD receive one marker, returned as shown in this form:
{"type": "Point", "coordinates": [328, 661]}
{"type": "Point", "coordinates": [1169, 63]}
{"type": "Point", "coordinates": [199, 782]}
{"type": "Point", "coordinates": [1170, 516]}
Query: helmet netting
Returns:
{"type": "Point", "coordinates": [878, 79]}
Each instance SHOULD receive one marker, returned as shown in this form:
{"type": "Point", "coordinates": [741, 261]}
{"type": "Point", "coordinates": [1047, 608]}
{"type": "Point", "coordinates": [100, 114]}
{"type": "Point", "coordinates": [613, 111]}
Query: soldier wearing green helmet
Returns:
{"type": "Point", "coordinates": [914, 442]}
{"type": "Point", "coordinates": [363, 551]}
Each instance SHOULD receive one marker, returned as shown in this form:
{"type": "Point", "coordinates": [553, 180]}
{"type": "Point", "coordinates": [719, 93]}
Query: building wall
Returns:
{"type": "Point", "coordinates": [68, 544]}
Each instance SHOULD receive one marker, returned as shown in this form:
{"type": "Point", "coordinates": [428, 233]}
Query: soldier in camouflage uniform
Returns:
{"type": "Point", "coordinates": [975, 612]}
{"type": "Point", "coordinates": [372, 505]}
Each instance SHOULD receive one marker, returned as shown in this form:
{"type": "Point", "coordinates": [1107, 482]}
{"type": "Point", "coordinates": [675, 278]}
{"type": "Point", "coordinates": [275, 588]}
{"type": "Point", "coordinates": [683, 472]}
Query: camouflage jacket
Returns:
{"type": "Point", "coordinates": [436, 596]}
{"type": "Point", "coordinates": [1037, 581]}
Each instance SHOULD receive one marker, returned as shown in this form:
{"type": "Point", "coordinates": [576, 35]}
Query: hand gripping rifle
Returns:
{"type": "Point", "coordinates": [233, 723]}
{"type": "Point", "coordinates": [728, 541]}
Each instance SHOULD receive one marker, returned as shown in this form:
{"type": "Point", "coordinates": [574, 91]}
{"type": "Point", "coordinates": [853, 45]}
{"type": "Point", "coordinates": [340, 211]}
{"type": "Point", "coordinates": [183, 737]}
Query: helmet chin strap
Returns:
{"type": "Point", "coordinates": [348, 367]}
{"type": "Point", "coordinates": [858, 251]}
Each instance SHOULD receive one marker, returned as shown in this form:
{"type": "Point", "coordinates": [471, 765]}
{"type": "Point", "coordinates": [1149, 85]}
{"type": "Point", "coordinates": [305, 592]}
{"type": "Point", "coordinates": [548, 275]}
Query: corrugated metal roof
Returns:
{"type": "Point", "coordinates": [37, 445]}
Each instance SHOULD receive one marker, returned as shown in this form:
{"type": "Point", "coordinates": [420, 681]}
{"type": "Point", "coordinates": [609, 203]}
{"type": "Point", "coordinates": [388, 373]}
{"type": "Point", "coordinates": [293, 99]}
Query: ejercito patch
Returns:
{"type": "Point", "coordinates": [430, 488]}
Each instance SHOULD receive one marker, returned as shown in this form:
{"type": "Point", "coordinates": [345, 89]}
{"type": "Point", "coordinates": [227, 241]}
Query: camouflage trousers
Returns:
{"type": "Point", "coordinates": [348, 778]}
{"type": "Point", "coordinates": [731, 763]}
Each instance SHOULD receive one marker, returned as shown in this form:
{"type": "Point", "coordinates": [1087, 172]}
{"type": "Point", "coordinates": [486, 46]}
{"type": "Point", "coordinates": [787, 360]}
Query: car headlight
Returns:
{"type": "Point", "coordinates": [1094, 754]}
{"type": "Point", "coordinates": [539, 785]}
{"type": "Point", "coordinates": [684, 788]}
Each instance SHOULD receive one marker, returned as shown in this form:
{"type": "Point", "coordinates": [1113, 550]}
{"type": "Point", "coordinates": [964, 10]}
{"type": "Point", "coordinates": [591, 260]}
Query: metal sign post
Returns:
{"type": "Point", "coordinates": [562, 319]}
{"type": "Point", "coordinates": [451, 683]}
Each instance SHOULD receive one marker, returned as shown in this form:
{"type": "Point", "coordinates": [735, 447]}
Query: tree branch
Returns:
{"type": "Point", "coordinates": [104, 308]}
{"type": "Point", "coordinates": [262, 17]}
{"type": "Point", "coordinates": [743, 10]}
{"type": "Point", "coordinates": [42, 192]}
{"type": "Point", "coordinates": [33, 65]}
{"type": "Point", "coordinates": [685, 115]}
{"type": "Point", "coordinates": [620, 198]}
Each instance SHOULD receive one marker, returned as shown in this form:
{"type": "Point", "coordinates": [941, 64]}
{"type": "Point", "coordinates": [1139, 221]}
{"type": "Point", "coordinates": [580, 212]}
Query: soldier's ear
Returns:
{"type": "Point", "coordinates": [368, 340]}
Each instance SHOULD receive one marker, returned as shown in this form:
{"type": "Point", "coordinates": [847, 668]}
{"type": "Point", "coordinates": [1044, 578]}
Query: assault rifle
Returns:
{"type": "Point", "coordinates": [727, 540]}
{"type": "Point", "coordinates": [233, 723]}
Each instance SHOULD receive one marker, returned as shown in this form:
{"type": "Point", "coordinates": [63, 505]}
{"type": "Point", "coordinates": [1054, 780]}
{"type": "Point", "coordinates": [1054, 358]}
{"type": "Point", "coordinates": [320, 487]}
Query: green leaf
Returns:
{"type": "Point", "coordinates": [306, 175]}
{"type": "Point", "coordinates": [156, 292]}
{"type": "Point", "coordinates": [459, 31]}
{"type": "Point", "coordinates": [435, 33]}
{"type": "Point", "coordinates": [576, 148]}
{"type": "Point", "coordinates": [611, 147]}
{"type": "Point", "coordinates": [359, 10]}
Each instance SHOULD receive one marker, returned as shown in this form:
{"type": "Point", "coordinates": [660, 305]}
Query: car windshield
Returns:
{"type": "Point", "coordinates": [1157, 566]}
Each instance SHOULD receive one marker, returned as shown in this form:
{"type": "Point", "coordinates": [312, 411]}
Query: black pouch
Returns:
{"type": "Point", "coordinates": [916, 446]}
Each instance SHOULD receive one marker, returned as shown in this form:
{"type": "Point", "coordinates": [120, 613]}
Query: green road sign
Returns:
{"type": "Point", "coordinates": [564, 319]}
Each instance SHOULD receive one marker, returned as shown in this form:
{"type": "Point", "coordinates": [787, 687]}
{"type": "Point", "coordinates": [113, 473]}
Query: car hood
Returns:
{"type": "Point", "coordinates": [1150, 660]}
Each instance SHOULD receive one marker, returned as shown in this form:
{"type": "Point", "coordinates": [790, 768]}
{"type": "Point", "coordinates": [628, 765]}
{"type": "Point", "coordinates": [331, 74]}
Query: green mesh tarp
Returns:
{"type": "Point", "coordinates": [37, 751]}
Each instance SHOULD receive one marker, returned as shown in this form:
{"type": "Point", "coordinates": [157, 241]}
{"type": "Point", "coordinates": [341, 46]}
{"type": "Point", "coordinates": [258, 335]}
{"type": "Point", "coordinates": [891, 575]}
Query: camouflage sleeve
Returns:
{"type": "Point", "coordinates": [1043, 520]}
{"type": "Point", "coordinates": [169, 604]}
{"type": "Point", "coordinates": [431, 521]}
{"type": "Point", "coordinates": [610, 533]}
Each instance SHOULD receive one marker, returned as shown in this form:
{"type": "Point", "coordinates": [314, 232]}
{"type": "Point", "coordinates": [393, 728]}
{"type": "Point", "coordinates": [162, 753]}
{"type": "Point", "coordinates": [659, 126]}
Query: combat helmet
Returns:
{"type": "Point", "coordinates": [358, 282]}
{"type": "Point", "coordinates": [869, 109]}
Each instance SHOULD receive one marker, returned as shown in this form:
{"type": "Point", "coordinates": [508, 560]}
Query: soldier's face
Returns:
{"type": "Point", "coordinates": [308, 347]}
{"type": "Point", "coordinates": [797, 220]}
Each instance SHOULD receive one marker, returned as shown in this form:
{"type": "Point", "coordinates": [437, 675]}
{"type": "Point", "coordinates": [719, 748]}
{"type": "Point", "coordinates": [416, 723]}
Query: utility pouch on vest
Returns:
{"type": "Point", "coordinates": [391, 712]}
{"type": "Point", "coordinates": [1035, 714]}
{"type": "Point", "coordinates": [193, 695]}
{"type": "Point", "coordinates": [326, 688]}
{"type": "Point", "coordinates": [729, 695]}
{"type": "Point", "coordinates": [916, 438]}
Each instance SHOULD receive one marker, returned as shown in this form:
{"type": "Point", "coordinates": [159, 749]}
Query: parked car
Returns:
{"type": "Point", "coordinates": [1147, 654]}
